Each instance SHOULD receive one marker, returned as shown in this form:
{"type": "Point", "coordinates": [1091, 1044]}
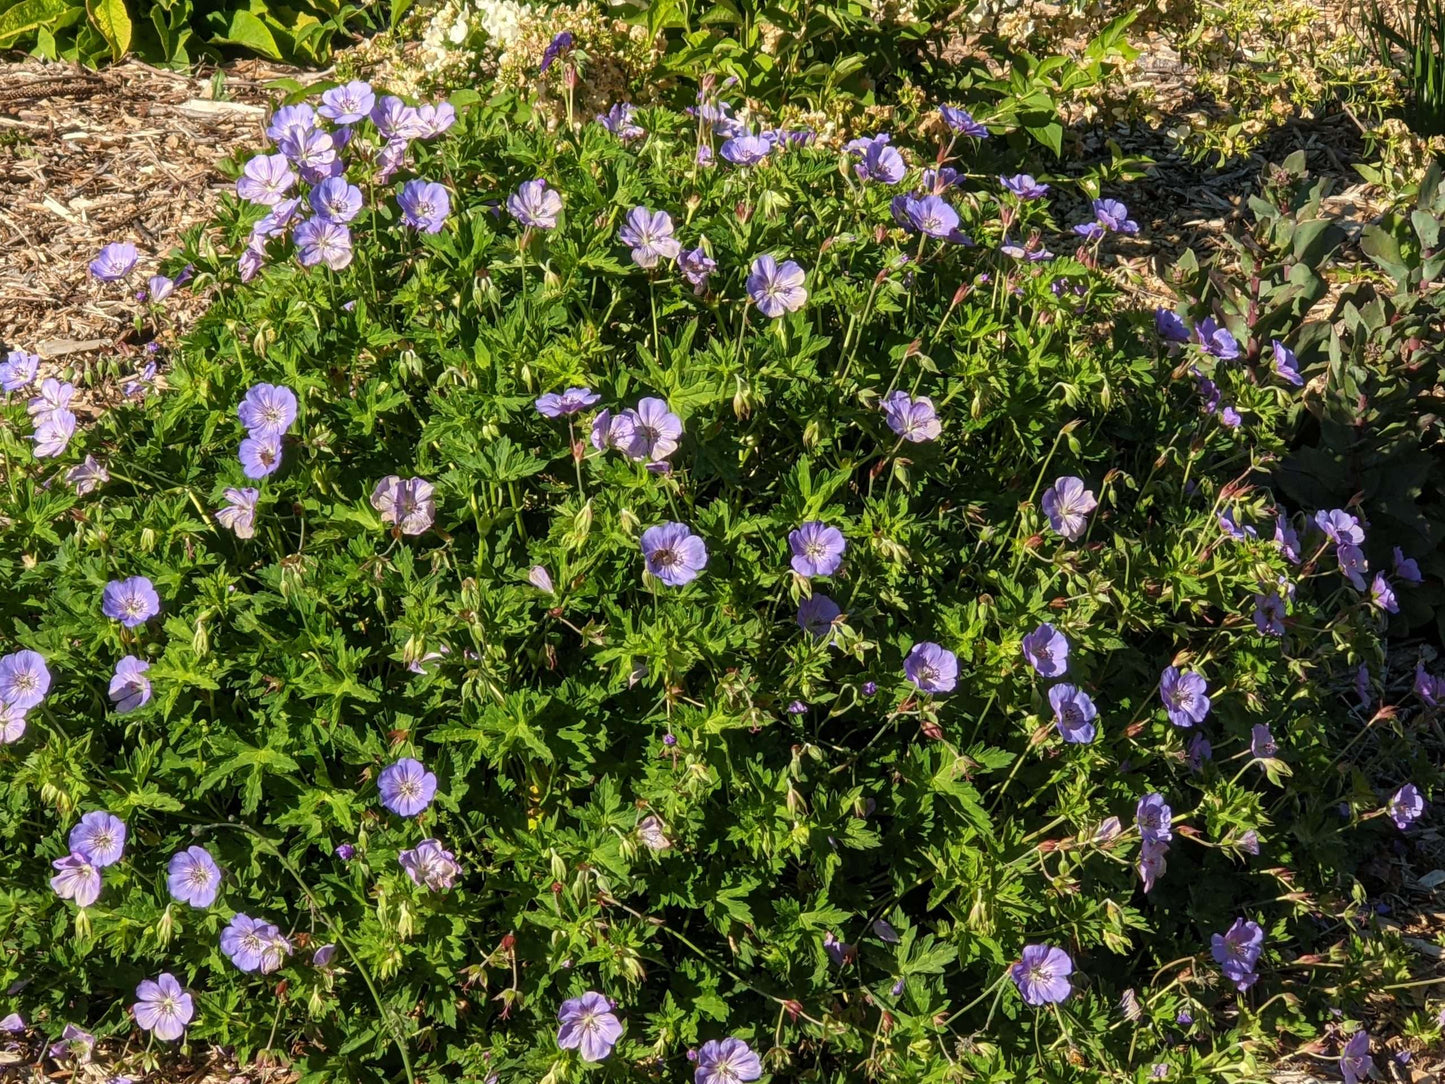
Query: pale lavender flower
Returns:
{"type": "Point", "coordinates": [1406, 567]}
{"type": "Point", "coordinates": [1427, 687]}
{"type": "Point", "coordinates": [535, 205]}
{"type": "Point", "coordinates": [275, 223]}
{"type": "Point", "coordinates": [75, 1043]}
{"type": "Point", "coordinates": [1047, 650]}
{"type": "Point", "coordinates": [1154, 817]}
{"type": "Point", "coordinates": [163, 1007]}
{"type": "Point", "coordinates": [115, 262]}
{"type": "Point", "coordinates": [915, 420]}
{"type": "Point", "coordinates": [323, 956]}
{"type": "Point", "coordinates": [12, 723]}
{"type": "Point", "coordinates": [405, 503]}
{"type": "Point", "coordinates": [651, 831]}
{"type": "Point", "coordinates": [962, 122]}
{"type": "Point", "coordinates": [610, 432]}
{"type": "Point", "coordinates": [1068, 503]}
{"type": "Point", "coordinates": [389, 159]}
{"type": "Point", "coordinates": [571, 401]}
{"type": "Point", "coordinates": [817, 549]}
{"type": "Point", "coordinates": [424, 205]}
{"type": "Point", "coordinates": [816, 615]}
{"type": "Point", "coordinates": [939, 181]}
{"type": "Point", "coordinates": [24, 679]}
{"type": "Point", "coordinates": [1074, 713]}
{"type": "Point", "coordinates": [931, 215]}
{"type": "Point", "coordinates": [618, 121]}
{"type": "Point", "coordinates": [291, 121]}
{"type": "Point", "coordinates": [588, 1026]}
{"type": "Point", "coordinates": [1382, 595]}
{"type": "Point", "coordinates": [1237, 951]}
{"type": "Point", "coordinates": [1249, 842]}
{"type": "Point", "coordinates": [776, 288]}
{"type": "Point", "coordinates": [649, 235]}
{"type": "Point", "coordinates": [137, 386]}
{"type": "Point", "coordinates": [267, 410]}
{"type": "Point", "coordinates": [1340, 527]}
{"type": "Point", "coordinates": [727, 1062]}
{"type": "Point", "coordinates": [265, 180]}
{"type": "Point", "coordinates": [746, 149]}
{"type": "Point", "coordinates": [130, 601]}
{"type": "Point", "coordinates": [259, 456]}
{"type": "Point", "coordinates": [53, 432]}
{"type": "Point", "coordinates": [1285, 364]}
{"type": "Point", "coordinates": [1355, 1060]}
{"type": "Point", "coordinates": [160, 287]}
{"type": "Point", "coordinates": [1153, 863]}
{"type": "Point", "coordinates": [430, 865]}
{"type": "Point", "coordinates": [12, 1024]}
{"type": "Point", "coordinates": [254, 944]}
{"type": "Point", "coordinates": [1185, 696]}
{"type": "Point", "coordinates": [1261, 742]}
{"type": "Point", "coordinates": [931, 668]}
{"type": "Point", "coordinates": [1023, 186]}
{"type": "Point", "coordinates": [1042, 975]}
{"type": "Point", "coordinates": [1352, 564]}
{"type": "Point", "coordinates": [350, 103]}
{"type": "Point", "coordinates": [1269, 614]}
{"type": "Point", "coordinates": [673, 553]}
{"type": "Point", "coordinates": [541, 579]}
{"type": "Point", "coordinates": [434, 120]}
{"type": "Point", "coordinates": [655, 431]}
{"type": "Point", "coordinates": [696, 265]}
{"type": "Point", "coordinates": [18, 370]}
{"type": "Point", "coordinates": [406, 787]}
{"type": "Point", "coordinates": [193, 877]}
{"type": "Point", "coordinates": [100, 836]}
{"type": "Point", "coordinates": [395, 120]}
{"type": "Point", "coordinates": [239, 514]}
{"type": "Point", "coordinates": [1406, 806]}
{"type": "Point", "coordinates": [129, 687]}
{"type": "Point", "coordinates": [337, 200]}
{"type": "Point", "coordinates": [77, 878]}
{"type": "Point", "coordinates": [877, 160]}
{"type": "Point", "coordinates": [321, 241]}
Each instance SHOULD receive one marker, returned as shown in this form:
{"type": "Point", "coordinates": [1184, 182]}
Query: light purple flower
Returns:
{"type": "Point", "coordinates": [268, 410]}
{"type": "Point", "coordinates": [1406, 806]}
{"type": "Point", "coordinates": [434, 120]}
{"type": "Point", "coordinates": [962, 122]}
{"type": "Point", "coordinates": [291, 121]}
{"type": "Point", "coordinates": [817, 549]}
{"type": "Point", "coordinates": [1287, 539]}
{"type": "Point", "coordinates": [424, 205]}
{"type": "Point", "coordinates": [655, 431]}
{"type": "Point", "coordinates": [1427, 687]}
{"type": "Point", "coordinates": [115, 262]}
{"type": "Point", "coordinates": [1042, 975]}
{"type": "Point", "coordinates": [254, 944]}
{"type": "Point", "coordinates": [77, 878]}
{"type": "Point", "coordinates": [1068, 503]}
{"type": "Point", "coordinates": [650, 829]}
{"type": "Point", "coordinates": [931, 215]}
{"type": "Point", "coordinates": [649, 235]}
{"type": "Point", "coordinates": [430, 865]}
{"type": "Point", "coordinates": [323, 956]}
{"type": "Point", "coordinates": [816, 615]}
{"type": "Point", "coordinates": [337, 200]}
{"type": "Point", "coordinates": [610, 432]}
{"type": "Point", "coordinates": [1153, 863]}
{"type": "Point", "coordinates": [1249, 842]}
{"type": "Point", "coordinates": [1047, 650]}
{"type": "Point", "coordinates": [1237, 950]}
{"type": "Point", "coordinates": [406, 787]}
{"type": "Point", "coordinates": [588, 1026]}
{"type": "Point", "coordinates": [939, 181]}
{"type": "Point", "coordinates": [259, 456]}
{"type": "Point", "coordinates": [350, 103]}
{"type": "Point", "coordinates": [193, 877]}
{"type": "Point", "coordinates": [100, 836]}
{"type": "Point", "coordinates": [915, 420]}
{"type": "Point", "coordinates": [12, 1024]}
{"type": "Point", "coordinates": [389, 159]}
{"type": "Point", "coordinates": [129, 687]}
{"type": "Point", "coordinates": [1340, 527]}
{"type": "Point", "coordinates": [1406, 568]}
{"type": "Point", "coordinates": [1355, 1060]}
{"type": "Point", "coordinates": [535, 205]}
{"type": "Point", "coordinates": [746, 149]}
{"type": "Point", "coordinates": [727, 1062]}
{"type": "Point", "coordinates": [1261, 742]}
{"type": "Point", "coordinates": [75, 1043]}
{"type": "Point", "coordinates": [87, 475]}
{"type": "Point", "coordinates": [618, 121]}
{"type": "Point", "coordinates": [1169, 326]}
{"type": "Point", "coordinates": [1074, 713]}
{"type": "Point", "coordinates": [1269, 614]}
{"type": "Point", "coordinates": [1185, 696]}
{"type": "Point", "coordinates": [1215, 340]}
{"type": "Point", "coordinates": [53, 432]}
{"type": "Point", "coordinates": [12, 723]}
{"type": "Point", "coordinates": [1023, 186]}
{"type": "Point", "coordinates": [541, 579]}
{"type": "Point", "coordinates": [163, 1007]}
{"type": "Point", "coordinates": [1285, 364]}
{"type": "Point", "coordinates": [239, 514]}
{"type": "Point", "coordinates": [265, 180]}
{"type": "Point", "coordinates": [18, 370]}
{"type": "Point", "coordinates": [395, 120]}
{"type": "Point", "coordinates": [24, 679]}
{"type": "Point", "coordinates": [321, 241]}
{"type": "Point", "coordinates": [131, 601]}
{"type": "Point", "coordinates": [1352, 564]}
{"type": "Point", "coordinates": [931, 668]}
{"type": "Point", "coordinates": [1382, 595]}
{"type": "Point", "coordinates": [776, 288]}
{"type": "Point", "coordinates": [673, 553]}
{"type": "Point", "coordinates": [877, 160]}
{"type": "Point", "coordinates": [571, 401]}
{"type": "Point", "coordinates": [160, 287]}
{"type": "Point", "coordinates": [696, 265]}
{"type": "Point", "coordinates": [1153, 818]}
{"type": "Point", "coordinates": [405, 503]}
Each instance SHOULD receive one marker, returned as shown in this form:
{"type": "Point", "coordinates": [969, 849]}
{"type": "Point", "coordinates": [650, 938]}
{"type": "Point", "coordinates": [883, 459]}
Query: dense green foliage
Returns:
{"type": "Point", "coordinates": [283, 675]}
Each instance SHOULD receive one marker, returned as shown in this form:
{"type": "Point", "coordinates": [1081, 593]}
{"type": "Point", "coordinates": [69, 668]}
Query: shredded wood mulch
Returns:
{"type": "Point", "coordinates": [129, 153]}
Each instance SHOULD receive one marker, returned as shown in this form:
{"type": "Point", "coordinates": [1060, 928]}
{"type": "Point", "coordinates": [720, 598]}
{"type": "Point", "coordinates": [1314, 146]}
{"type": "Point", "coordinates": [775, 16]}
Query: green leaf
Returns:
{"type": "Point", "coordinates": [28, 16]}
{"type": "Point", "coordinates": [113, 21]}
{"type": "Point", "coordinates": [249, 32]}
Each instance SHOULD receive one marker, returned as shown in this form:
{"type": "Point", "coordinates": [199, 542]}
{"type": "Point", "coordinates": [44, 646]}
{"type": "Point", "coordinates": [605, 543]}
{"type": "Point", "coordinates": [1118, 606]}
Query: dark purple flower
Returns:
{"type": "Point", "coordinates": [1199, 751]}
{"type": "Point", "coordinates": [649, 235]}
{"type": "Point", "coordinates": [535, 205]}
{"type": "Point", "coordinates": [1153, 818]}
{"type": "Point", "coordinates": [932, 668]}
{"type": "Point", "coordinates": [840, 953]}
{"type": "Point", "coordinates": [555, 48]}
{"type": "Point", "coordinates": [1232, 527]}
{"type": "Point", "coordinates": [1042, 975]}
{"type": "Point", "coordinates": [347, 104]}
{"type": "Point", "coordinates": [878, 161]}
{"type": "Point", "coordinates": [554, 405]}
{"type": "Point", "coordinates": [77, 878]}
{"type": "Point", "coordinates": [1352, 564]}
{"type": "Point", "coordinates": [131, 601]}
{"type": "Point", "coordinates": [1023, 186]}
{"type": "Point", "coordinates": [1152, 862]}
{"type": "Point", "coordinates": [239, 514]}
{"type": "Point", "coordinates": [816, 615]}
{"type": "Point", "coordinates": [129, 687]}
{"type": "Point", "coordinates": [588, 1026]}
{"type": "Point", "coordinates": [1269, 614]}
{"type": "Point", "coordinates": [1047, 650]}
{"type": "Point", "coordinates": [1169, 326]}
{"type": "Point", "coordinates": [776, 288]}
{"type": "Point", "coordinates": [1237, 951]}
{"type": "Point", "coordinates": [115, 262]}
{"type": "Point", "coordinates": [1185, 696]}
{"type": "Point", "coordinates": [1427, 687]}
{"type": "Point", "coordinates": [337, 200]}
{"type": "Point", "coordinates": [673, 553]}
{"type": "Point", "coordinates": [24, 679]}
{"type": "Point", "coordinates": [1068, 503]}
{"type": "Point", "coordinates": [1114, 216]}
{"type": "Point", "coordinates": [1287, 539]}
{"type": "Point", "coordinates": [962, 122]}
{"type": "Point", "coordinates": [319, 240]}
{"type": "Point", "coordinates": [797, 707]}
{"type": "Point", "coordinates": [406, 787]}
{"type": "Point", "coordinates": [345, 851]}
{"type": "Point", "coordinates": [193, 877]}
{"type": "Point", "coordinates": [18, 370]}
{"type": "Point", "coordinates": [1382, 595]}
{"type": "Point", "coordinates": [1362, 685]}
{"type": "Point", "coordinates": [1355, 1060]}
{"type": "Point", "coordinates": [746, 149]}
{"type": "Point", "coordinates": [430, 865]}
{"type": "Point", "coordinates": [1261, 742]}
{"type": "Point", "coordinates": [817, 549]}
{"type": "Point", "coordinates": [618, 121]}
{"type": "Point", "coordinates": [1284, 363]}
{"type": "Point", "coordinates": [100, 836]}
{"type": "Point", "coordinates": [268, 410]}
{"type": "Point", "coordinates": [1406, 806]}
{"type": "Point", "coordinates": [424, 205]}
{"type": "Point", "coordinates": [259, 456]}
{"type": "Point", "coordinates": [696, 265]}
{"type": "Point", "coordinates": [1074, 713]}
{"type": "Point", "coordinates": [730, 1061]}
{"type": "Point", "coordinates": [931, 215]}
{"type": "Point", "coordinates": [1406, 568]}
{"type": "Point", "coordinates": [868, 688]}
{"type": "Point", "coordinates": [1215, 340]}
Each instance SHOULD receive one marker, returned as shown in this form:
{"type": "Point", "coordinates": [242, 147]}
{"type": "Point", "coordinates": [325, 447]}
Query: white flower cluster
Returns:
{"type": "Point", "coordinates": [461, 32]}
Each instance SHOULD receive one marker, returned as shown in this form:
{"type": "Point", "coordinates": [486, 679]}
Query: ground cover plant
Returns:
{"type": "Point", "coordinates": [659, 599]}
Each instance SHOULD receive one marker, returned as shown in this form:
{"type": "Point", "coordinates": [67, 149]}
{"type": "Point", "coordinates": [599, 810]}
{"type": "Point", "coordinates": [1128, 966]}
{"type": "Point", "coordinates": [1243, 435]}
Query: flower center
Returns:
{"type": "Point", "coordinates": [409, 789]}
{"type": "Point", "coordinates": [199, 876]}
{"type": "Point", "coordinates": [664, 557]}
